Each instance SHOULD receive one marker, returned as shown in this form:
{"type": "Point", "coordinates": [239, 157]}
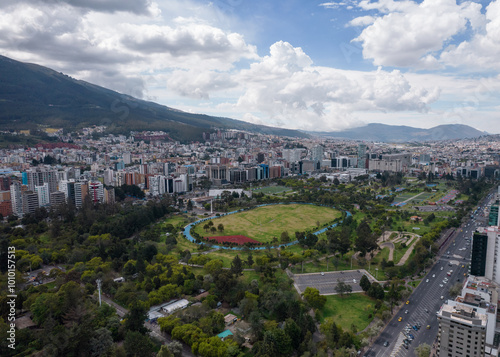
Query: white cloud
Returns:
{"type": "Point", "coordinates": [411, 34]}
{"type": "Point", "coordinates": [292, 92]}
{"type": "Point", "coordinates": [362, 21]}
{"type": "Point", "coordinates": [483, 50]}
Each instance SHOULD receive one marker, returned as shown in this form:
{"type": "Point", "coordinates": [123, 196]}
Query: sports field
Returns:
{"type": "Point", "coordinates": [415, 198]}
{"type": "Point", "coordinates": [264, 223]}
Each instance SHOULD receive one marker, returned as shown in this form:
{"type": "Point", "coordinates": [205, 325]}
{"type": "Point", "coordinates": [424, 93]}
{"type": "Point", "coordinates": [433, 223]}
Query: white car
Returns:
{"type": "Point", "coordinates": [354, 281]}
{"type": "Point", "coordinates": [434, 275]}
{"type": "Point", "coordinates": [427, 281]}
{"type": "Point", "coordinates": [441, 285]}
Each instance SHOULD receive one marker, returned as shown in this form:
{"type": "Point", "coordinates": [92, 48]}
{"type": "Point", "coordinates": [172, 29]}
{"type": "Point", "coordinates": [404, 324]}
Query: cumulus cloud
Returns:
{"type": "Point", "coordinates": [483, 50]}
{"type": "Point", "coordinates": [291, 91]}
{"type": "Point", "coordinates": [139, 7]}
{"type": "Point", "coordinates": [411, 34]}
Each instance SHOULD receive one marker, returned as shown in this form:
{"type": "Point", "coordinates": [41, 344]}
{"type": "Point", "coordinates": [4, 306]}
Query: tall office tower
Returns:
{"type": "Point", "coordinates": [362, 156]}
{"type": "Point", "coordinates": [462, 330]}
{"type": "Point", "coordinates": [16, 199]}
{"type": "Point", "coordinates": [81, 192]}
{"type": "Point", "coordinates": [109, 177]}
{"type": "Point", "coordinates": [96, 191]}
{"type": "Point", "coordinates": [30, 202]}
{"type": "Point", "coordinates": [485, 246]}
{"type": "Point", "coordinates": [317, 153]}
{"type": "Point", "coordinates": [39, 175]}
{"type": "Point", "coordinates": [493, 216]}
{"type": "Point", "coordinates": [157, 185]}
{"type": "Point", "coordinates": [127, 158]}
{"type": "Point", "coordinates": [43, 195]}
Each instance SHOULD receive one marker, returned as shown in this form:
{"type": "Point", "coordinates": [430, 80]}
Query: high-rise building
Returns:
{"type": "Point", "coordinates": [30, 202]}
{"type": "Point", "coordinates": [468, 324]}
{"type": "Point", "coordinates": [317, 153]}
{"type": "Point", "coordinates": [5, 203]}
{"type": "Point", "coordinates": [39, 175]}
{"type": "Point", "coordinates": [462, 330]}
{"type": "Point", "coordinates": [57, 198]}
{"type": "Point", "coordinates": [485, 246]}
{"type": "Point", "coordinates": [493, 216]}
{"type": "Point", "coordinates": [43, 195]}
{"type": "Point", "coordinates": [96, 191]}
{"type": "Point", "coordinates": [81, 192]}
{"type": "Point", "coordinates": [16, 198]}
{"type": "Point", "coordinates": [362, 156]}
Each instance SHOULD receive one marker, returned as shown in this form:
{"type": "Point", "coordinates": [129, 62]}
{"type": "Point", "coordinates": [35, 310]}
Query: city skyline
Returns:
{"type": "Point", "coordinates": [329, 65]}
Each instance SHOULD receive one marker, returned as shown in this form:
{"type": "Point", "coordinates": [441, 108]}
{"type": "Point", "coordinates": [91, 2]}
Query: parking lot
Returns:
{"type": "Point", "coordinates": [326, 283]}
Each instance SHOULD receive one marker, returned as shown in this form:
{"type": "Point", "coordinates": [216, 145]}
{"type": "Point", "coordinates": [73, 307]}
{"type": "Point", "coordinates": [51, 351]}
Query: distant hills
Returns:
{"type": "Point", "coordinates": [33, 96]}
{"type": "Point", "coordinates": [402, 133]}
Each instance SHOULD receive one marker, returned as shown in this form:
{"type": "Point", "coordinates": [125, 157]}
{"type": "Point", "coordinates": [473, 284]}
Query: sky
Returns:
{"type": "Point", "coordinates": [309, 65]}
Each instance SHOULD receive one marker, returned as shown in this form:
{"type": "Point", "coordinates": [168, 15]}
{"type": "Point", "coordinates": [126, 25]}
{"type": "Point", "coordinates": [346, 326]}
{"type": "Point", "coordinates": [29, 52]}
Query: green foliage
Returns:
{"type": "Point", "coordinates": [313, 298]}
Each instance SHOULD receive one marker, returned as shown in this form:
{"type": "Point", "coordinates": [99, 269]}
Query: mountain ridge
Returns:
{"type": "Point", "coordinates": [32, 96]}
{"type": "Point", "coordinates": [404, 133]}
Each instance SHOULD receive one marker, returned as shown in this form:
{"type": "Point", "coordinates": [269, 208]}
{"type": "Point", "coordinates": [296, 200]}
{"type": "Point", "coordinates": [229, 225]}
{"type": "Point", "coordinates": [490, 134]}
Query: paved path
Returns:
{"type": "Point", "coordinates": [154, 329]}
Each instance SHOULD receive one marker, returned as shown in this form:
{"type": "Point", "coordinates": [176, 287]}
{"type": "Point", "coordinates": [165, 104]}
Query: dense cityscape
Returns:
{"type": "Point", "coordinates": [131, 223]}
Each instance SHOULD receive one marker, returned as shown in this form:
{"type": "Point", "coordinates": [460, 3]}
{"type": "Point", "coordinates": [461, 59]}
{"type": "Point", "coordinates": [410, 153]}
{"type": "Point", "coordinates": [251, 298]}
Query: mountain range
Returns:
{"type": "Point", "coordinates": [402, 133]}
{"type": "Point", "coordinates": [33, 96]}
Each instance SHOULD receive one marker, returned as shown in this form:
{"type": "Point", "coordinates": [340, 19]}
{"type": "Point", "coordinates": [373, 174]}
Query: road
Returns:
{"type": "Point", "coordinates": [154, 328]}
{"type": "Point", "coordinates": [426, 300]}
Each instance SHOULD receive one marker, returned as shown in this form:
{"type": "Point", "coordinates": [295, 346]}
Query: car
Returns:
{"type": "Point", "coordinates": [427, 310]}
{"type": "Point", "coordinates": [322, 274]}
{"type": "Point", "coordinates": [405, 345]}
{"type": "Point", "coordinates": [463, 266]}
{"type": "Point", "coordinates": [406, 311]}
{"type": "Point", "coordinates": [442, 297]}
{"type": "Point", "coordinates": [415, 328]}
{"type": "Point", "coordinates": [441, 285]}
{"type": "Point", "coordinates": [441, 269]}
{"type": "Point", "coordinates": [428, 327]}
{"type": "Point", "coordinates": [427, 280]}
{"type": "Point", "coordinates": [434, 275]}
{"type": "Point", "coordinates": [400, 319]}
{"type": "Point", "coordinates": [354, 281]}
{"type": "Point", "coordinates": [407, 302]}
{"type": "Point", "coordinates": [386, 343]}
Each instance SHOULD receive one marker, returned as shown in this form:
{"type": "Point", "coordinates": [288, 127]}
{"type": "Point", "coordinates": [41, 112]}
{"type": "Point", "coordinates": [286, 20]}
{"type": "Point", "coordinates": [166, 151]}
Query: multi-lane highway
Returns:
{"type": "Point", "coordinates": [431, 293]}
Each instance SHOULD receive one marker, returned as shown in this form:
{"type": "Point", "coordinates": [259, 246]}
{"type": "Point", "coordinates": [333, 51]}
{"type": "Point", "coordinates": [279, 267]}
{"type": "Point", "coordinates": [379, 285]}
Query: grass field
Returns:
{"type": "Point", "coordinates": [353, 309]}
{"type": "Point", "coordinates": [264, 223]}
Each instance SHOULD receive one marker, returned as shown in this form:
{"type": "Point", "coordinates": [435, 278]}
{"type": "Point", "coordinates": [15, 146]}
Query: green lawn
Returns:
{"type": "Point", "coordinates": [264, 223]}
{"type": "Point", "coordinates": [349, 310]}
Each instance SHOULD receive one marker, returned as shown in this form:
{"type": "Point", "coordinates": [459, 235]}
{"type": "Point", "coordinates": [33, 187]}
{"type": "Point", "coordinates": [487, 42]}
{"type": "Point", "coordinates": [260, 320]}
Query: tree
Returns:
{"type": "Point", "coordinates": [343, 288]}
{"type": "Point", "coordinates": [365, 284]}
{"type": "Point", "coordinates": [134, 319]}
{"type": "Point", "coordinates": [455, 290]}
{"type": "Point", "coordinates": [237, 266]}
{"type": "Point", "coordinates": [285, 238]}
{"type": "Point", "coordinates": [313, 298]}
{"type": "Point", "coordinates": [164, 352]}
{"type": "Point", "coordinates": [213, 230]}
{"type": "Point", "coordinates": [250, 259]}
{"type": "Point", "coordinates": [220, 227]}
{"type": "Point", "coordinates": [189, 205]}
{"type": "Point", "coordinates": [176, 348]}
{"type": "Point", "coordinates": [393, 294]}
{"type": "Point", "coordinates": [101, 342]}
{"type": "Point", "coordinates": [423, 350]}
{"type": "Point", "coordinates": [376, 291]}
{"type": "Point", "coordinates": [138, 344]}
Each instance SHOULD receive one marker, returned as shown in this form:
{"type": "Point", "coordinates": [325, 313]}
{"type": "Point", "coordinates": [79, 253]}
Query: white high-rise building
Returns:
{"type": "Point", "coordinates": [109, 177]}
{"type": "Point", "coordinates": [16, 198]}
{"type": "Point", "coordinates": [43, 195]}
{"type": "Point", "coordinates": [96, 191]}
{"type": "Point", "coordinates": [157, 185]}
{"type": "Point", "coordinates": [317, 153]}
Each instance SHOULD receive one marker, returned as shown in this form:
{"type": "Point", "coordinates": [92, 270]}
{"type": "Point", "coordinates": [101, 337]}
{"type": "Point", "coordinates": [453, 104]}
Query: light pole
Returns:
{"type": "Point", "coordinates": [376, 273]}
